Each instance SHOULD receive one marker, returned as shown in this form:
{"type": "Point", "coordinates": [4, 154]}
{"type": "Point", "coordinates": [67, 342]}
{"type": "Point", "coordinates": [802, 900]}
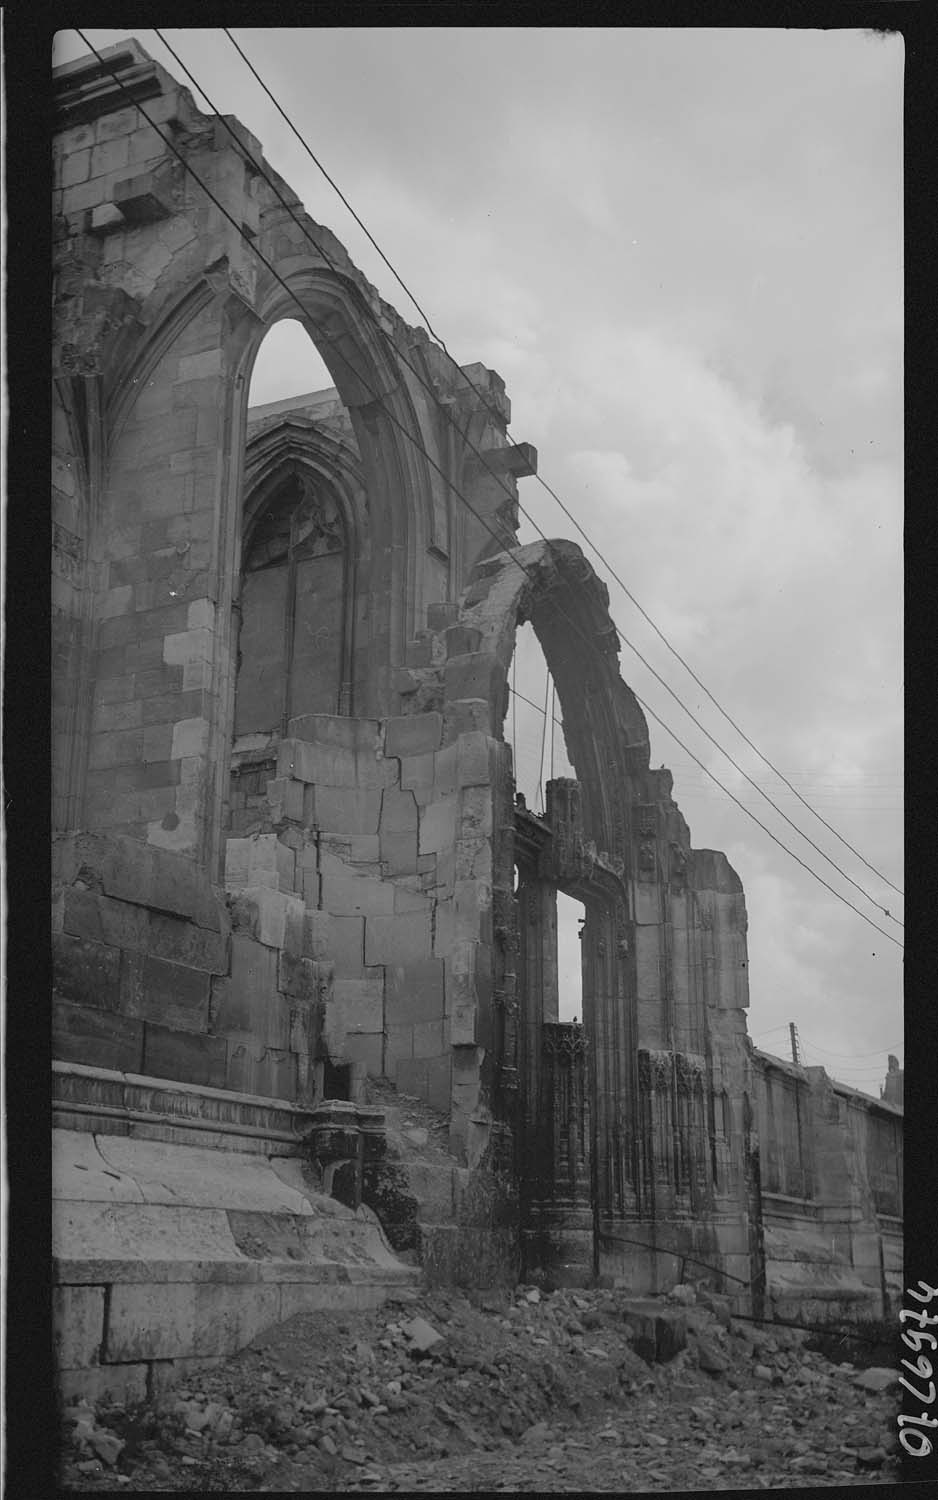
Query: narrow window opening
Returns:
{"type": "Point", "coordinates": [534, 723]}
{"type": "Point", "coordinates": [292, 624]}
{"type": "Point", "coordinates": [571, 916]}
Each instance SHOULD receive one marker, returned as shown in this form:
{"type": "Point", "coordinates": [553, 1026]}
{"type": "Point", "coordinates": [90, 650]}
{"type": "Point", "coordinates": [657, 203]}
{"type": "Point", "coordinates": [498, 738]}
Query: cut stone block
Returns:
{"type": "Point", "coordinates": [261, 859]}
{"type": "Point", "coordinates": [124, 925]}
{"type": "Point", "coordinates": [475, 812]}
{"type": "Point", "coordinates": [77, 1325]}
{"type": "Point", "coordinates": [189, 737]}
{"type": "Point", "coordinates": [440, 1082]}
{"type": "Point", "coordinates": [265, 915]}
{"type": "Point", "coordinates": [85, 972]}
{"type": "Point", "coordinates": [399, 1048]}
{"type": "Point", "coordinates": [297, 977]}
{"type": "Point", "coordinates": [446, 771]}
{"type": "Point", "coordinates": [401, 939]}
{"type": "Point", "coordinates": [428, 1039]}
{"type": "Point", "coordinates": [417, 773]}
{"type": "Point", "coordinates": [253, 1003]}
{"type": "Point", "coordinates": [475, 674]}
{"type": "Point", "coordinates": [462, 640]}
{"type": "Point", "coordinates": [410, 1076]}
{"type": "Point", "coordinates": [157, 990]}
{"type": "Point", "coordinates": [657, 1335]}
{"type": "Point", "coordinates": [366, 1049]}
{"type": "Point", "coordinates": [406, 899]}
{"type": "Point", "coordinates": [438, 825]}
{"type": "Point", "coordinates": [287, 800]}
{"type": "Point", "coordinates": [422, 1334]}
{"type": "Point", "coordinates": [184, 1055]}
{"type": "Point", "coordinates": [274, 1073]}
{"type": "Point", "coordinates": [97, 1038]}
{"type": "Point", "coordinates": [347, 894]}
{"type": "Point", "coordinates": [413, 734]}
{"type": "Point", "coordinates": [463, 1023]}
{"type": "Point", "coordinates": [159, 1322]}
{"type": "Point", "coordinates": [346, 759]}
{"type": "Point", "coordinates": [138, 873]}
{"type": "Point", "coordinates": [347, 809]}
{"type": "Point", "coordinates": [81, 1174]}
{"type": "Point", "coordinates": [360, 1002]}
{"type": "Point", "coordinates": [348, 944]}
{"type": "Point", "coordinates": [473, 759]}
{"type": "Point", "coordinates": [317, 934]}
{"type": "Point", "coordinates": [399, 852]}
{"type": "Point", "coordinates": [359, 735]}
{"type": "Point", "coordinates": [467, 714]}
{"type": "Point", "coordinates": [398, 812]}
{"type": "Point", "coordinates": [414, 992]}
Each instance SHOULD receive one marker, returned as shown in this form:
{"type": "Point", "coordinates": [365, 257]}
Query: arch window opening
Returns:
{"type": "Point", "coordinates": [571, 919]}
{"type": "Point", "coordinates": [288, 365]}
{"type": "Point", "coordinates": [534, 730]}
{"type": "Point", "coordinates": [534, 722]}
{"type": "Point", "coordinates": [294, 603]}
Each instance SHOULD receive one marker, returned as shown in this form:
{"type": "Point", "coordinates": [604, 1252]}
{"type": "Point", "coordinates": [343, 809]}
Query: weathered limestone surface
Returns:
{"type": "Point", "coordinates": [158, 1259]}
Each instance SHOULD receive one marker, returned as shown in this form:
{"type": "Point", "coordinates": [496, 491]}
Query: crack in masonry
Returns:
{"type": "Point", "coordinates": [105, 1324]}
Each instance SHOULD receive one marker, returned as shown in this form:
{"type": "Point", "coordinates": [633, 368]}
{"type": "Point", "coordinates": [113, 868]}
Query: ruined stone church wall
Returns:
{"type": "Point", "coordinates": [341, 894]}
{"type": "Point", "coordinates": [160, 309]}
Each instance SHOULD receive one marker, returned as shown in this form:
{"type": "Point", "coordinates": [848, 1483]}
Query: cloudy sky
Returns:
{"type": "Point", "coordinates": [682, 250]}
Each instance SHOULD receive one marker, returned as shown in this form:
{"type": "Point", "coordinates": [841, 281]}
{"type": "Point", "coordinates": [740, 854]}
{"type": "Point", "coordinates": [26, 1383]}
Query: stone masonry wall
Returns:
{"type": "Point", "coordinates": [383, 840]}
{"type": "Point", "coordinates": [831, 1190]}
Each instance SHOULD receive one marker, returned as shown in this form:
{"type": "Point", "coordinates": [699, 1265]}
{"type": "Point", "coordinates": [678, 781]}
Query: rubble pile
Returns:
{"type": "Point", "coordinates": [529, 1390]}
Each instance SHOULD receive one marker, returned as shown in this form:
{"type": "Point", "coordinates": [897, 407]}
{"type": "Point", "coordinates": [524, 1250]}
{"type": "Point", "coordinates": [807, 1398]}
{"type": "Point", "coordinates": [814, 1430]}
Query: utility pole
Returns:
{"type": "Point", "coordinates": [793, 1032]}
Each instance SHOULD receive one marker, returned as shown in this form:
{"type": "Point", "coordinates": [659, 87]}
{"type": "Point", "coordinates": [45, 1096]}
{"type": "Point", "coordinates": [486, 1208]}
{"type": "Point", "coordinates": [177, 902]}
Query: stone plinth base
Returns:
{"type": "Point", "coordinates": [168, 1257]}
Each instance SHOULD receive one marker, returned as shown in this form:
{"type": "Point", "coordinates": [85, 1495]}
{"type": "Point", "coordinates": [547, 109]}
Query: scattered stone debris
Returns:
{"type": "Point", "coordinates": [563, 1392]}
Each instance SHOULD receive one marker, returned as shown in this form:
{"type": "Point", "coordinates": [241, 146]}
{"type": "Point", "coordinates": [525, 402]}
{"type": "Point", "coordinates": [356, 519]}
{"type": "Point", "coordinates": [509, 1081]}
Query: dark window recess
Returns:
{"type": "Point", "coordinates": [291, 642]}
{"type": "Point", "coordinates": [336, 1080]}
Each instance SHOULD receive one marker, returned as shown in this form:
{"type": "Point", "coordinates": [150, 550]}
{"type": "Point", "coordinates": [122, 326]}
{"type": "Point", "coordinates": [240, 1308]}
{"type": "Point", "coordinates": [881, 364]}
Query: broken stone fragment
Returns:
{"type": "Point", "coordinates": [876, 1379]}
{"type": "Point", "coordinates": [684, 1295]}
{"type": "Point", "coordinates": [422, 1335]}
{"type": "Point", "coordinates": [106, 1446]}
{"type": "Point", "coordinates": [708, 1359]}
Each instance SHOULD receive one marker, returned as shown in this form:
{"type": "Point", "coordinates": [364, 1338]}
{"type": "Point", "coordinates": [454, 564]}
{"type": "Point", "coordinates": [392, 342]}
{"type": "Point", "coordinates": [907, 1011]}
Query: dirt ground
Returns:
{"type": "Point", "coordinates": [529, 1391]}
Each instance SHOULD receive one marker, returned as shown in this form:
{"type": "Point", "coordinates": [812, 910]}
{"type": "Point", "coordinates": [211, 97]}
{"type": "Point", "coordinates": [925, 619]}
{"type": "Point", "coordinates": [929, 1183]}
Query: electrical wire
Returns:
{"type": "Point", "coordinates": [815, 1048]}
{"type": "Point", "coordinates": [540, 764]}
{"type": "Point", "coordinates": [772, 836]}
{"type": "Point", "coordinates": [570, 516]}
{"type": "Point", "coordinates": [513, 499]}
{"type": "Point", "coordinates": [531, 704]}
{"type": "Point", "coordinates": [416, 444]}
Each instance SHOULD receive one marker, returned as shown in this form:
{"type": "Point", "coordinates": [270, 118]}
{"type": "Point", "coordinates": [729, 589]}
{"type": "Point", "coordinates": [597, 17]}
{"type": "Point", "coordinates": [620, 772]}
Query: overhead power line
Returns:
{"type": "Point", "coordinates": [532, 704]}
{"type": "Point", "coordinates": [404, 430]}
{"type": "Point", "coordinates": [850, 1055]}
{"type": "Point", "coordinates": [553, 493]}
{"type": "Point", "coordinates": [448, 417]}
{"type": "Point", "coordinates": [772, 836]}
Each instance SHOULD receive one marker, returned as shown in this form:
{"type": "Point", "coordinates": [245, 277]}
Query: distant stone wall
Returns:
{"type": "Point", "coordinates": [831, 1172]}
